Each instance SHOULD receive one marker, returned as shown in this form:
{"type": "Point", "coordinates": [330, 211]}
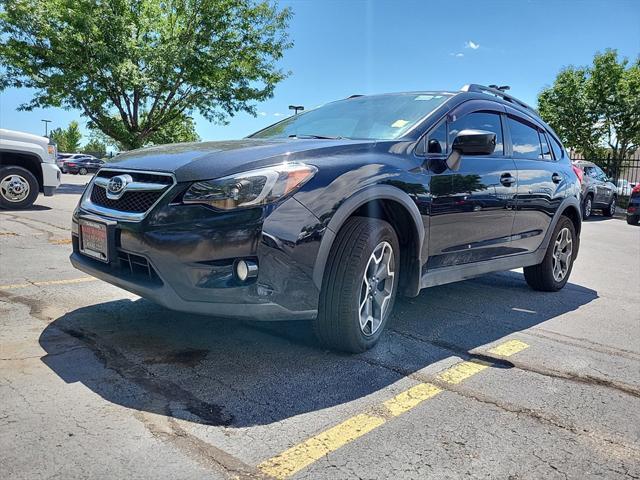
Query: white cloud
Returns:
{"type": "Point", "coordinates": [262, 114]}
{"type": "Point", "coordinates": [459, 54]}
{"type": "Point", "coordinates": [278, 114]}
{"type": "Point", "coordinates": [472, 45]}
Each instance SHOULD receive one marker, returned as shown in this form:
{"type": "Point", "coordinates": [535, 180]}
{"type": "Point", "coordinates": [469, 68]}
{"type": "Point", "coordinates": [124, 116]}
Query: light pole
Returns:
{"type": "Point", "coordinates": [296, 108]}
{"type": "Point", "coordinates": [46, 127]}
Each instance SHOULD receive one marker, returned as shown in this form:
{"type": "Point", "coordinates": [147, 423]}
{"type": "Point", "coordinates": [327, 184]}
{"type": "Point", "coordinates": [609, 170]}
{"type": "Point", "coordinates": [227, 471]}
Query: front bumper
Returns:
{"type": "Point", "coordinates": [183, 259]}
{"type": "Point", "coordinates": [51, 177]}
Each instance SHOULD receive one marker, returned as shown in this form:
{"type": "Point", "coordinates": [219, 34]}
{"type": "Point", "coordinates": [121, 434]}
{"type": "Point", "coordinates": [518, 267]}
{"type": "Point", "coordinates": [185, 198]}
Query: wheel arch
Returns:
{"type": "Point", "coordinates": [28, 161]}
{"type": "Point", "coordinates": [390, 204]}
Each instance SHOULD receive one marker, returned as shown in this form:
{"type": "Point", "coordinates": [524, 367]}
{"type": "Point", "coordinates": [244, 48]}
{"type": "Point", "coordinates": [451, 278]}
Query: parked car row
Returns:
{"type": "Point", "coordinates": [78, 163]}
{"type": "Point", "coordinates": [633, 209]}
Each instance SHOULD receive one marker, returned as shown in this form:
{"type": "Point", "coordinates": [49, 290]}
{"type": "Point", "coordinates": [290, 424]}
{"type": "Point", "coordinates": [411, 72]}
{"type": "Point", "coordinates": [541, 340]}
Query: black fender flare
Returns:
{"type": "Point", "coordinates": [568, 202]}
{"type": "Point", "coordinates": [349, 206]}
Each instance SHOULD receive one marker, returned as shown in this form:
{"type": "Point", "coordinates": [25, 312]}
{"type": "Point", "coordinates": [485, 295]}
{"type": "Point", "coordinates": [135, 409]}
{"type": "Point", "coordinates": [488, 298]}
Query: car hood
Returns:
{"type": "Point", "coordinates": [205, 160]}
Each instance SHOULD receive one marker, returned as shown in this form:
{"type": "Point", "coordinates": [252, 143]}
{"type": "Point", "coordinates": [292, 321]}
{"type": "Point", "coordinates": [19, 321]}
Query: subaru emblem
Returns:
{"type": "Point", "coordinates": [118, 184]}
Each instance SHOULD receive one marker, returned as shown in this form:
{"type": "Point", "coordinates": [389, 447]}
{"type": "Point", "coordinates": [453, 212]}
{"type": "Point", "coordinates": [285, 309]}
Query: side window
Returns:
{"type": "Point", "coordinates": [590, 172]}
{"type": "Point", "coordinates": [546, 151]}
{"type": "Point", "coordinates": [557, 149]}
{"type": "Point", "coordinates": [437, 139]}
{"type": "Point", "coordinates": [525, 140]}
{"type": "Point", "coordinates": [601, 175]}
{"type": "Point", "coordinates": [488, 121]}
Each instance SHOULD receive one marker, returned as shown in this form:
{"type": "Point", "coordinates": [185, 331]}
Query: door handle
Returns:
{"type": "Point", "coordinates": [556, 178]}
{"type": "Point", "coordinates": [507, 179]}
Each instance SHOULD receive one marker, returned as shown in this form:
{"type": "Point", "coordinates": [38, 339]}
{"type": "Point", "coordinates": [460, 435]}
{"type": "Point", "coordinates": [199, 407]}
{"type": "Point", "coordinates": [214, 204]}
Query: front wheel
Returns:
{"type": "Point", "coordinates": [359, 285]}
{"type": "Point", "coordinates": [587, 207]}
{"type": "Point", "coordinates": [553, 272]}
{"type": "Point", "coordinates": [611, 208]}
{"type": "Point", "coordinates": [18, 188]}
{"type": "Point", "coordinates": [83, 171]}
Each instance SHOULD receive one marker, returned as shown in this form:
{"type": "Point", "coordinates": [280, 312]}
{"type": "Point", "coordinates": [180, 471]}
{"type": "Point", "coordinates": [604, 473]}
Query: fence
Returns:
{"type": "Point", "coordinates": [624, 175]}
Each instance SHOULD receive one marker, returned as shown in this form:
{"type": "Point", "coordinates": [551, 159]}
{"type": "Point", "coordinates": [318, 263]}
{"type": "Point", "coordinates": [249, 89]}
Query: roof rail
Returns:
{"type": "Point", "coordinates": [474, 87]}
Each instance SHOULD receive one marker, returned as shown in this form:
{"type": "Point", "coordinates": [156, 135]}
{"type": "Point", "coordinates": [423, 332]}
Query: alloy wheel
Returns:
{"type": "Point", "coordinates": [377, 288]}
{"type": "Point", "coordinates": [14, 188]}
{"type": "Point", "coordinates": [587, 208]}
{"type": "Point", "coordinates": [562, 251]}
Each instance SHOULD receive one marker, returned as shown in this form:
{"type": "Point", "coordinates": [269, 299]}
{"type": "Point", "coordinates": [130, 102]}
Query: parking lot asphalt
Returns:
{"type": "Point", "coordinates": [479, 379]}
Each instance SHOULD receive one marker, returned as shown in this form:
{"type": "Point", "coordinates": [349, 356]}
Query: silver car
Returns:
{"type": "Point", "coordinates": [598, 191]}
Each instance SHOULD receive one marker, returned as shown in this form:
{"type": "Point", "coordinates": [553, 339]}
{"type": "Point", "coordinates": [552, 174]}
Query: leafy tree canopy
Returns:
{"type": "Point", "coordinates": [116, 59]}
{"type": "Point", "coordinates": [95, 147]}
{"type": "Point", "coordinates": [67, 139]}
{"type": "Point", "coordinates": [596, 108]}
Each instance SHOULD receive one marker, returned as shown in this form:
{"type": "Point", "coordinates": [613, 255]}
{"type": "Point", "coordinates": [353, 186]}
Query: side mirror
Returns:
{"type": "Point", "coordinates": [470, 142]}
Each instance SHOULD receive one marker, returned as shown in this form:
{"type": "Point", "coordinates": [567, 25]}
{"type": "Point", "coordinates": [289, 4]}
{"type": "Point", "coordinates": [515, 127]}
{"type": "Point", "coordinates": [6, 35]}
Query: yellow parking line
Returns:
{"type": "Point", "coordinates": [69, 281]}
{"type": "Point", "coordinates": [509, 348]}
{"type": "Point", "coordinates": [461, 371]}
{"type": "Point", "coordinates": [304, 454]}
{"type": "Point", "coordinates": [61, 241]}
{"type": "Point", "coordinates": [405, 401]}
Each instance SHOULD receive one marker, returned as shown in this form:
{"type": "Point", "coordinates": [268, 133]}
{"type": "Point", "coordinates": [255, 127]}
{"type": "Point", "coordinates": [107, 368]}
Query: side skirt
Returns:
{"type": "Point", "coordinates": [456, 273]}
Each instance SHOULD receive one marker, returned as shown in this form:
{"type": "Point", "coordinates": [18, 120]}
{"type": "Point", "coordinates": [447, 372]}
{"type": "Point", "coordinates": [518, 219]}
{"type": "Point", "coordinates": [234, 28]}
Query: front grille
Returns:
{"type": "Point", "coordinates": [134, 202]}
{"type": "Point", "coordinates": [138, 176]}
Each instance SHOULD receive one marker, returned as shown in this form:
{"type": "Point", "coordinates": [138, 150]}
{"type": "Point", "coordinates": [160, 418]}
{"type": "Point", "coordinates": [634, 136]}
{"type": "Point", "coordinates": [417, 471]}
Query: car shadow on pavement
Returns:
{"type": "Point", "coordinates": [220, 372]}
{"type": "Point", "coordinates": [70, 189]}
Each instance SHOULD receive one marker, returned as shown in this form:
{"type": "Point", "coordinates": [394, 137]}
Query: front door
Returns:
{"type": "Point", "coordinates": [473, 208]}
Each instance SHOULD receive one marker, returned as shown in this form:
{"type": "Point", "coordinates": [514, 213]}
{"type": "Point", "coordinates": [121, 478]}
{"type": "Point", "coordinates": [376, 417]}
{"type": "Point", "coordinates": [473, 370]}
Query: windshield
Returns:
{"type": "Point", "coordinates": [378, 117]}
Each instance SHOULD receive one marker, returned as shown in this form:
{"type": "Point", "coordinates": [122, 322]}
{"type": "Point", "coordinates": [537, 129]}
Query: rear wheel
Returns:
{"type": "Point", "coordinates": [610, 210]}
{"type": "Point", "coordinates": [82, 171]}
{"type": "Point", "coordinates": [553, 272]}
{"type": "Point", "coordinates": [359, 285]}
{"type": "Point", "coordinates": [18, 188]}
{"type": "Point", "coordinates": [587, 207]}
{"type": "Point", "coordinates": [633, 219]}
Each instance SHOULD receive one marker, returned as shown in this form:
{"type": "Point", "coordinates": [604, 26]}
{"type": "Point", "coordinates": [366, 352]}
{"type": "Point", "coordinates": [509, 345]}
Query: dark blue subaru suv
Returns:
{"type": "Point", "coordinates": [330, 214]}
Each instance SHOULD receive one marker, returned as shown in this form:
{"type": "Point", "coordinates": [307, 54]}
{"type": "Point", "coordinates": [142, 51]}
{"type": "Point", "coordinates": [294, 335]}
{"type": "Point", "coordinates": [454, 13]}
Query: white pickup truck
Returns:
{"type": "Point", "coordinates": [27, 167]}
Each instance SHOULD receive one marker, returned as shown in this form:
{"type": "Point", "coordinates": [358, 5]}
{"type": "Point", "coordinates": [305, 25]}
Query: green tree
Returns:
{"type": "Point", "coordinates": [95, 147]}
{"type": "Point", "coordinates": [134, 66]}
{"type": "Point", "coordinates": [596, 109]}
{"type": "Point", "coordinates": [67, 139]}
{"type": "Point", "coordinates": [180, 129]}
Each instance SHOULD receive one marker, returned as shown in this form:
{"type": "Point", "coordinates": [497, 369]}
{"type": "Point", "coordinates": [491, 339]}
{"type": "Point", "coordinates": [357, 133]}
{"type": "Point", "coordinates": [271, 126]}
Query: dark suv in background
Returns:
{"type": "Point", "coordinates": [329, 214]}
{"type": "Point", "coordinates": [598, 191]}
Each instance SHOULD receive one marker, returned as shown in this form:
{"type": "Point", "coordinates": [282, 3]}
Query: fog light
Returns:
{"type": "Point", "coordinates": [246, 269]}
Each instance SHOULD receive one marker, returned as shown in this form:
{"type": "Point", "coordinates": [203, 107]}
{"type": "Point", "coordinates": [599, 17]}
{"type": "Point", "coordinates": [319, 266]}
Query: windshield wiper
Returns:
{"type": "Point", "coordinates": [321, 137]}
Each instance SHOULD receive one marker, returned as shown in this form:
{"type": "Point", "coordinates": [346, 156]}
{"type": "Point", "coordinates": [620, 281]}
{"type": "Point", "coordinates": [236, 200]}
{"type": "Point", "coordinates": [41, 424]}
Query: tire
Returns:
{"type": "Point", "coordinates": [338, 324]}
{"type": "Point", "coordinates": [587, 207]}
{"type": "Point", "coordinates": [82, 171]}
{"type": "Point", "coordinates": [541, 277]}
{"type": "Point", "coordinates": [633, 219]}
{"type": "Point", "coordinates": [18, 188]}
{"type": "Point", "coordinates": [610, 209]}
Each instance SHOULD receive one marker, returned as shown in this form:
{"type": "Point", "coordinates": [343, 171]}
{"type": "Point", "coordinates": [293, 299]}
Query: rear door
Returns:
{"type": "Point", "coordinates": [472, 208]}
{"type": "Point", "coordinates": [541, 183]}
{"type": "Point", "coordinates": [606, 187]}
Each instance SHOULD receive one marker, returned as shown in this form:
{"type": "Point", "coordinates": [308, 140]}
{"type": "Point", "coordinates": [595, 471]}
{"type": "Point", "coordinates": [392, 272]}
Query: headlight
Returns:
{"type": "Point", "coordinates": [252, 188]}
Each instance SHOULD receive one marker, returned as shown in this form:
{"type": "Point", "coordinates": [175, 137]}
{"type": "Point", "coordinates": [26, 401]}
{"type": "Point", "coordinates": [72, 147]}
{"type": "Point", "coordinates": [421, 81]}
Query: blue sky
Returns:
{"type": "Point", "coordinates": [343, 47]}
